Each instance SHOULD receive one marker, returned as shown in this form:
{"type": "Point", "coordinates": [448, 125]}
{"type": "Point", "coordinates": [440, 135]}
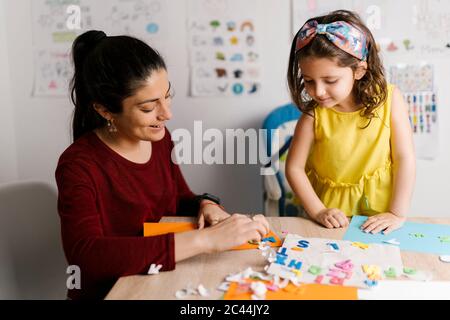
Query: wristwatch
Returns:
{"type": "Point", "coordinates": [208, 196]}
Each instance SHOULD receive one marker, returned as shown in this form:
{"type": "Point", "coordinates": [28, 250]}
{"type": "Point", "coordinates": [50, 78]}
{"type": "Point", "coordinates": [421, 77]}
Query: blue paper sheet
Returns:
{"type": "Point", "coordinates": [413, 236]}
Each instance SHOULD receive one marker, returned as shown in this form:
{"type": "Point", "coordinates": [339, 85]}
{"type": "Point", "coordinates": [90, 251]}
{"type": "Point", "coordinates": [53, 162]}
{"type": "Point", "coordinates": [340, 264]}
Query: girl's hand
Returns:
{"type": "Point", "coordinates": [234, 231]}
{"type": "Point", "coordinates": [332, 218]}
{"type": "Point", "coordinates": [210, 213]}
{"type": "Point", "coordinates": [384, 221]}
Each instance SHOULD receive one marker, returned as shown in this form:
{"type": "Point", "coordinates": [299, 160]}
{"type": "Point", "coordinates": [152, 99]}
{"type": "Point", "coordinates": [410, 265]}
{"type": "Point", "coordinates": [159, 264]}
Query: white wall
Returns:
{"type": "Point", "coordinates": [240, 186]}
{"type": "Point", "coordinates": [8, 156]}
{"type": "Point", "coordinates": [42, 125]}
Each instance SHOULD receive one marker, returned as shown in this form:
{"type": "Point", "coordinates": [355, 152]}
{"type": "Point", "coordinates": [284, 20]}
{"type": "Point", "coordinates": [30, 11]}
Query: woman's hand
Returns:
{"type": "Point", "coordinates": [234, 231]}
{"type": "Point", "coordinates": [261, 218]}
{"type": "Point", "coordinates": [210, 213]}
{"type": "Point", "coordinates": [332, 218]}
{"type": "Point", "coordinates": [386, 222]}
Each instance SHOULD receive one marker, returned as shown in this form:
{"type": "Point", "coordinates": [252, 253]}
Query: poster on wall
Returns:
{"type": "Point", "coordinates": [56, 24]}
{"type": "Point", "coordinates": [224, 48]}
{"type": "Point", "coordinates": [421, 31]}
{"type": "Point", "coordinates": [53, 71]}
{"type": "Point", "coordinates": [422, 28]}
{"type": "Point", "coordinates": [417, 85]}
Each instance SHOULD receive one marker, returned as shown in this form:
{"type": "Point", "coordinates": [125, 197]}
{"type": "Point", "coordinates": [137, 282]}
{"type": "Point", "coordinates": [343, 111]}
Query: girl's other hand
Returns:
{"type": "Point", "coordinates": [385, 222]}
{"type": "Point", "coordinates": [332, 218]}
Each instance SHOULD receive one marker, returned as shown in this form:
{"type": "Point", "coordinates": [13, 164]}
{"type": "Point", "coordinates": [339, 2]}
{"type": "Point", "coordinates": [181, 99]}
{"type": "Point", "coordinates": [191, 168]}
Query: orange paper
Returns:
{"type": "Point", "coordinates": [158, 228]}
{"type": "Point", "coordinates": [309, 291]}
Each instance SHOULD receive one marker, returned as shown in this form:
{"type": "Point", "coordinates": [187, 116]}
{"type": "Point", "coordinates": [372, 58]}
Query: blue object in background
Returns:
{"type": "Point", "coordinates": [152, 28]}
{"type": "Point", "coordinates": [413, 236]}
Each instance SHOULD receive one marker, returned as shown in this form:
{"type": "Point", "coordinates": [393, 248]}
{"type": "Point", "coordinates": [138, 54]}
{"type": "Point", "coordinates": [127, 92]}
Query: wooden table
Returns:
{"type": "Point", "coordinates": [211, 270]}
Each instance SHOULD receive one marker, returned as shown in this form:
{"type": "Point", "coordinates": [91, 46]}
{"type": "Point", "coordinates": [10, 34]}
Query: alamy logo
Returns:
{"type": "Point", "coordinates": [74, 20]}
{"type": "Point", "coordinates": [235, 146]}
{"type": "Point", "coordinates": [74, 279]}
{"type": "Point", "coordinates": [373, 21]}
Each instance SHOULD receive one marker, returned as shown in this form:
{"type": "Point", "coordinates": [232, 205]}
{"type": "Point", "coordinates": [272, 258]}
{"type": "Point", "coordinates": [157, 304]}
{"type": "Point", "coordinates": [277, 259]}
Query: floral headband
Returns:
{"type": "Point", "coordinates": [342, 34]}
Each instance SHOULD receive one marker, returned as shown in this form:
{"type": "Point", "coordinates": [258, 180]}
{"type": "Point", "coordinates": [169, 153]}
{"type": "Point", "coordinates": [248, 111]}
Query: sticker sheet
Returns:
{"type": "Point", "coordinates": [335, 262]}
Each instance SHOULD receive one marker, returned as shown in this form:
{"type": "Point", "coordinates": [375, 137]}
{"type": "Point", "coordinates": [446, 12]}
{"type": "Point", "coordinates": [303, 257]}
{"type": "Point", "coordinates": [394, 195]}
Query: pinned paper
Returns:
{"type": "Point", "coordinates": [238, 39]}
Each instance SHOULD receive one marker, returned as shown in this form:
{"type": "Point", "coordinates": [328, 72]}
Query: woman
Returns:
{"type": "Point", "coordinates": [118, 172]}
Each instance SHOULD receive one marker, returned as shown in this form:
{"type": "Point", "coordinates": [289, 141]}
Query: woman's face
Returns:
{"type": "Point", "coordinates": [145, 113]}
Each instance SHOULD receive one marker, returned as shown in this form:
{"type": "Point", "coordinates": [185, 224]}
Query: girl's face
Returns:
{"type": "Point", "coordinates": [145, 113]}
{"type": "Point", "coordinates": [327, 83]}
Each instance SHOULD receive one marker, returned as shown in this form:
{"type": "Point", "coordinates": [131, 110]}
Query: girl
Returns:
{"type": "Point", "coordinates": [352, 151]}
{"type": "Point", "coordinates": [118, 172]}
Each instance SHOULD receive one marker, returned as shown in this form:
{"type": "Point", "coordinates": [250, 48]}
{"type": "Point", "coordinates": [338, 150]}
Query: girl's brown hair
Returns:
{"type": "Point", "coordinates": [370, 91]}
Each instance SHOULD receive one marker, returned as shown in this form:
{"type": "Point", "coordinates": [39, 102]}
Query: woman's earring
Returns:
{"type": "Point", "coordinates": [111, 126]}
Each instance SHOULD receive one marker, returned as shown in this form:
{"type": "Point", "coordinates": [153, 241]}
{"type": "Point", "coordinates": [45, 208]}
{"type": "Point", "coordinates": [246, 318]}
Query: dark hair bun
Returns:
{"type": "Point", "coordinates": [86, 43]}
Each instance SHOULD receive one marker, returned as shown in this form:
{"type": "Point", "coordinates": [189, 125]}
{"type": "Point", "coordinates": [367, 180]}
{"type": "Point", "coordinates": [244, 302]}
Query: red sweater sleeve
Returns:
{"type": "Point", "coordinates": [102, 258]}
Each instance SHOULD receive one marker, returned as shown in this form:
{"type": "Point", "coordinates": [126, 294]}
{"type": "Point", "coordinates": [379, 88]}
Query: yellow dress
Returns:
{"type": "Point", "coordinates": [349, 167]}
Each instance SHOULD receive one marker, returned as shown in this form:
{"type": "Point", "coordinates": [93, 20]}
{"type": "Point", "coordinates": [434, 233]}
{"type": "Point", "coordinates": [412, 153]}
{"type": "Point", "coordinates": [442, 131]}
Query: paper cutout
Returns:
{"type": "Point", "coordinates": [202, 291]}
{"type": "Point", "coordinates": [259, 290]}
{"type": "Point", "coordinates": [224, 286]}
{"type": "Point", "coordinates": [392, 241]}
{"type": "Point", "coordinates": [270, 239]}
{"type": "Point", "coordinates": [390, 273]}
{"type": "Point", "coordinates": [333, 246]}
{"type": "Point", "coordinates": [154, 269]}
{"type": "Point", "coordinates": [430, 243]}
{"type": "Point", "coordinates": [158, 228]}
{"type": "Point", "coordinates": [418, 275]}
{"type": "Point", "coordinates": [360, 245]}
{"type": "Point", "coordinates": [189, 291]}
{"type": "Point", "coordinates": [409, 271]}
